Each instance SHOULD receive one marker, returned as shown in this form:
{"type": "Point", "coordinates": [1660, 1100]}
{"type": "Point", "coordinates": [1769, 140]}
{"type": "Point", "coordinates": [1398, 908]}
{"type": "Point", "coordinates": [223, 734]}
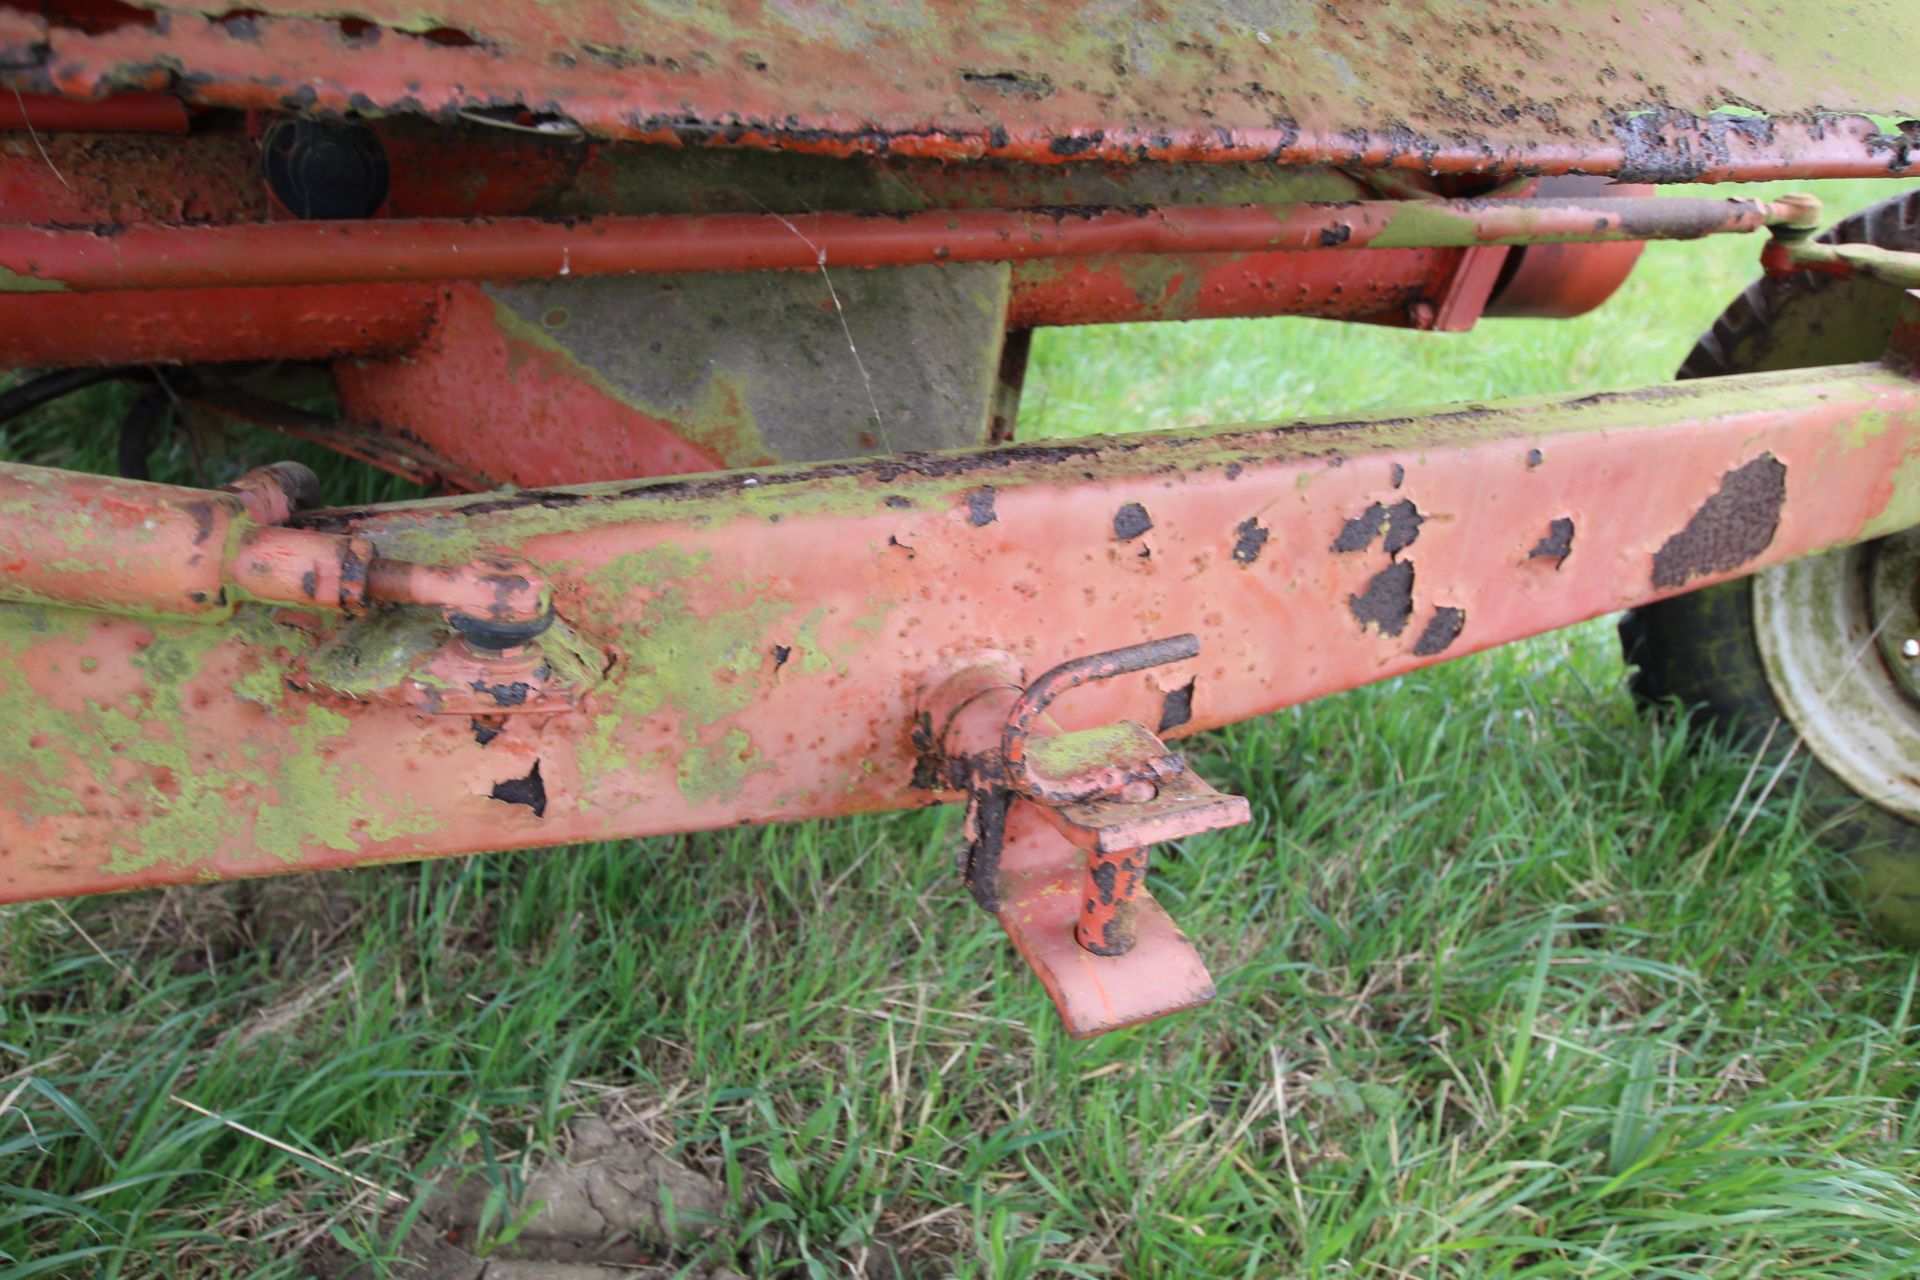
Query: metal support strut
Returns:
{"type": "Point", "coordinates": [1791, 247]}
{"type": "Point", "coordinates": [140, 256]}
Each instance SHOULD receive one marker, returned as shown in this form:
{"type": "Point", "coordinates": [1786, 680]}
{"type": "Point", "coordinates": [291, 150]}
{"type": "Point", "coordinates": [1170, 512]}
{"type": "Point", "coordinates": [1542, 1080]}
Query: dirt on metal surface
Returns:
{"type": "Point", "coordinates": [1676, 92]}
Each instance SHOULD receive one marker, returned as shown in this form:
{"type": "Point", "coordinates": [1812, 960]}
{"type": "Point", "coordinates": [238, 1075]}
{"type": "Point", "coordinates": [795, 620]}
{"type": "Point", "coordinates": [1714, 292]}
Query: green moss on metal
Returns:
{"type": "Point", "coordinates": [378, 651]}
{"type": "Point", "coordinates": [1065, 755]}
{"type": "Point", "coordinates": [1420, 222]}
{"type": "Point", "coordinates": [715, 772]}
{"type": "Point", "coordinates": [201, 797]}
{"type": "Point", "coordinates": [1868, 426]}
{"type": "Point", "coordinates": [1903, 501]}
{"type": "Point", "coordinates": [808, 654]}
{"type": "Point", "coordinates": [700, 668]}
{"type": "Point", "coordinates": [569, 659]}
{"type": "Point", "coordinates": [24, 715]}
{"type": "Point", "coordinates": [15, 282]}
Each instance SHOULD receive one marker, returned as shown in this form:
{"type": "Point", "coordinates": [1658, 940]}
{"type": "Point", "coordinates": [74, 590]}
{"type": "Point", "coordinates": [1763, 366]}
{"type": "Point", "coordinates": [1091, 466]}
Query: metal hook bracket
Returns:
{"type": "Point", "coordinates": [1058, 825]}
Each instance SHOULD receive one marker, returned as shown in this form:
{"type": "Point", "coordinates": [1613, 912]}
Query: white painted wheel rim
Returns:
{"type": "Point", "coordinates": [1829, 631]}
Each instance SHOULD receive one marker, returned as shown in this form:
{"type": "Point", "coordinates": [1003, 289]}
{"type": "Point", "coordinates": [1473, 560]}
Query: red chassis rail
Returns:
{"type": "Point", "coordinates": [748, 647]}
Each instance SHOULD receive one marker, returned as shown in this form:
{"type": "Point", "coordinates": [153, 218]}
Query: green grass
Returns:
{"type": "Point", "coordinates": [1508, 985]}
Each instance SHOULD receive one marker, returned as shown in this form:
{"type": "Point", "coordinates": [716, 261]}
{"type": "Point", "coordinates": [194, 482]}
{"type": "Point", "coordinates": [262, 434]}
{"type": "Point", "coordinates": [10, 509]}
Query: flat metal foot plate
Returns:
{"type": "Point", "coordinates": [1042, 881]}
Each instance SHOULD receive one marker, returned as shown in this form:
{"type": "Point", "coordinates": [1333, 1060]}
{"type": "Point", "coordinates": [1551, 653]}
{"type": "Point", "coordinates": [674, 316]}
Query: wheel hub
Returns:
{"type": "Point", "coordinates": [1893, 598]}
{"type": "Point", "coordinates": [1834, 632]}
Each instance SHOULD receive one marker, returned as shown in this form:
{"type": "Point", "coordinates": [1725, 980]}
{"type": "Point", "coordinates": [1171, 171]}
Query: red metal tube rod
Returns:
{"type": "Point", "coordinates": [1109, 919]}
{"type": "Point", "coordinates": [1644, 476]}
{"type": "Point", "coordinates": [118, 545]}
{"type": "Point", "coordinates": [499, 591]}
{"type": "Point", "coordinates": [122, 113]}
{"type": "Point", "coordinates": [129, 546]}
{"type": "Point", "coordinates": [1865, 261]}
{"type": "Point", "coordinates": [47, 259]}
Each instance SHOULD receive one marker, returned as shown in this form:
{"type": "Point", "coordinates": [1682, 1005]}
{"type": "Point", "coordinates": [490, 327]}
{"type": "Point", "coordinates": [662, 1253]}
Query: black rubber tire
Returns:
{"type": "Point", "coordinates": [1700, 649]}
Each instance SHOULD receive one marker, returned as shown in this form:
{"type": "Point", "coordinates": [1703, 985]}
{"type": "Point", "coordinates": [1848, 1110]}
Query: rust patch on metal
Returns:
{"type": "Point", "coordinates": [1387, 602]}
{"type": "Point", "coordinates": [1732, 527]}
{"type": "Point", "coordinates": [506, 695]}
{"type": "Point", "coordinates": [1557, 545]}
{"type": "Point", "coordinates": [1358, 533]}
{"type": "Point", "coordinates": [1403, 526]}
{"type": "Point", "coordinates": [529, 791]}
{"type": "Point", "coordinates": [985, 832]}
{"type": "Point", "coordinates": [1442, 629]}
{"type": "Point", "coordinates": [1131, 521]}
{"type": "Point", "coordinates": [1249, 537]}
{"type": "Point", "coordinates": [1108, 924]}
{"type": "Point", "coordinates": [1103, 875]}
{"type": "Point", "coordinates": [1396, 524]}
{"type": "Point", "coordinates": [1177, 707]}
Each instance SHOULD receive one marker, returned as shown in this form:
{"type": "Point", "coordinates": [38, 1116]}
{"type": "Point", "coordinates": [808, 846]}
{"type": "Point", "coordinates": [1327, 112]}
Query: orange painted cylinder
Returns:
{"type": "Point", "coordinates": [129, 546]}
{"type": "Point", "coordinates": [121, 545]}
{"type": "Point", "coordinates": [1108, 924]}
{"type": "Point", "coordinates": [494, 590]}
{"type": "Point", "coordinates": [300, 567]}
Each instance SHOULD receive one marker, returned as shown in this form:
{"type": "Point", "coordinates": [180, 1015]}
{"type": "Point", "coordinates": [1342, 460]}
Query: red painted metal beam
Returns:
{"type": "Point", "coordinates": [122, 113]}
{"type": "Point", "coordinates": [325, 322]}
{"type": "Point", "coordinates": [320, 322]}
{"type": "Point", "coordinates": [749, 647]}
{"type": "Point", "coordinates": [310, 253]}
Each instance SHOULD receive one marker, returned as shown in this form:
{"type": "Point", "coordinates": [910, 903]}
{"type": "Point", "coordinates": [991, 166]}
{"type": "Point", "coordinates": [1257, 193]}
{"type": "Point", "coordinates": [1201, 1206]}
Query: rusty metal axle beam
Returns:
{"type": "Point", "coordinates": [749, 647]}
{"type": "Point", "coordinates": [40, 259]}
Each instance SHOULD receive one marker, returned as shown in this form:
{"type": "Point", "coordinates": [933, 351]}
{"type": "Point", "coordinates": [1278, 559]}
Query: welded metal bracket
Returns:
{"type": "Point", "coordinates": [1057, 829]}
{"type": "Point", "coordinates": [1042, 882]}
{"type": "Point", "coordinates": [415, 657]}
